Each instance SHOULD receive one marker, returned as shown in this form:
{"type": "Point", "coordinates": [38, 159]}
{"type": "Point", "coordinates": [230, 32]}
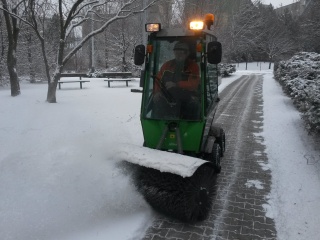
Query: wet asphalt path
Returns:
{"type": "Point", "coordinates": [240, 207]}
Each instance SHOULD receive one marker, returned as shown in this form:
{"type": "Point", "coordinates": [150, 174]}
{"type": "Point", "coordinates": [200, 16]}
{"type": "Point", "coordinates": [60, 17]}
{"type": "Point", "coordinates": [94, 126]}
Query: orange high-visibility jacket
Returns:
{"type": "Point", "coordinates": [191, 71]}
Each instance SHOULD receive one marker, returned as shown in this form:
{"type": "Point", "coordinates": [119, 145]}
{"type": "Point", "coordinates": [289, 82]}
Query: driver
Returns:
{"type": "Point", "coordinates": [176, 85]}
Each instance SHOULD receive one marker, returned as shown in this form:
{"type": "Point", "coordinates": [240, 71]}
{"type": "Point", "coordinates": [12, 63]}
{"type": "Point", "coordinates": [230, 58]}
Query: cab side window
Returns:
{"type": "Point", "coordinates": [212, 84]}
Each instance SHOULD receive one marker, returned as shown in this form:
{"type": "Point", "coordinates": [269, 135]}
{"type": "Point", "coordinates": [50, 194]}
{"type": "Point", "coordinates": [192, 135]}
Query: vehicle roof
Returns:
{"type": "Point", "coordinates": [175, 32]}
{"type": "Point", "coordinates": [181, 32]}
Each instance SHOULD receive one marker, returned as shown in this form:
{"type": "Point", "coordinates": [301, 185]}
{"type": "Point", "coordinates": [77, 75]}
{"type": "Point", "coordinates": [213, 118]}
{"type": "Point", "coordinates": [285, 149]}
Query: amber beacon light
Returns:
{"type": "Point", "coordinates": [196, 25]}
{"type": "Point", "coordinates": [209, 19]}
{"type": "Point", "coordinates": [153, 27]}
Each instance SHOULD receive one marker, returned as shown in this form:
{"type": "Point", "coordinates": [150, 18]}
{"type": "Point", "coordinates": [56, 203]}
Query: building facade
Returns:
{"type": "Point", "coordinates": [296, 9]}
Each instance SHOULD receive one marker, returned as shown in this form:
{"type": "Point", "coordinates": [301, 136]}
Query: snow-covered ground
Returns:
{"type": "Point", "coordinates": [295, 164]}
{"type": "Point", "coordinates": [59, 177]}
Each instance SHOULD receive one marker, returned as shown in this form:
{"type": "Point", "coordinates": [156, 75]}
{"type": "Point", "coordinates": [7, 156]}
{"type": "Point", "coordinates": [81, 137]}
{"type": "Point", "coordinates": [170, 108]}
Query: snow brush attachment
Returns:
{"type": "Point", "coordinates": [188, 199]}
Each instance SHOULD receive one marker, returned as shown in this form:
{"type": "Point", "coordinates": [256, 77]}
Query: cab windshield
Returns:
{"type": "Point", "coordinates": [173, 81]}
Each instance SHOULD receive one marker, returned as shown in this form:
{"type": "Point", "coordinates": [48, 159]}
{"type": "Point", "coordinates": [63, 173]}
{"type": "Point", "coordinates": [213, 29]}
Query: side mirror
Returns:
{"type": "Point", "coordinates": [214, 52]}
{"type": "Point", "coordinates": [139, 54]}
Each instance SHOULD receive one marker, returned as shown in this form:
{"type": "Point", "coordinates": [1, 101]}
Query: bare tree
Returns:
{"type": "Point", "coordinates": [120, 39]}
{"type": "Point", "coordinates": [118, 43]}
{"type": "Point", "coordinates": [276, 39]}
{"type": "Point", "coordinates": [37, 17]}
{"type": "Point", "coordinates": [12, 26]}
{"type": "Point", "coordinates": [74, 16]}
{"type": "Point", "coordinates": [276, 43]}
{"type": "Point", "coordinates": [166, 13]}
{"type": "Point", "coordinates": [241, 31]}
{"type": "Point", "coordinates": [292, 25]}
{"type": "Point", "coordinates": [28, 36]}
{"type": "Point", "coordinates": [2, 49]}
{"type": "Point", "coordinates": [310, 27]}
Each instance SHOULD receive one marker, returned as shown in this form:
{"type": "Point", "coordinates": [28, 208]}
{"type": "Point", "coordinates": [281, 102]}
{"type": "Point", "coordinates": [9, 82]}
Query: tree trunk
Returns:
{"type": "Point", "coordinates": [14, 81]}
{"type": "Point", "coordinates": [13, 33]}
{"type": "Point", "coordinates": [2, 48]}
{"type": "Point", "coordinates": [45, 59]}
{"type": "Point", "coordinates": [124, 64]}
{"type": "Point", "coordinates": [52, 89]}
{"type": "Point", "coordinates": [52, 86]}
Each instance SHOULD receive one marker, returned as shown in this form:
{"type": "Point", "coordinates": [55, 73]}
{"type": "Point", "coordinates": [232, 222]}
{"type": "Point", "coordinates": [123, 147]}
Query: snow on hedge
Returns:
{"type": "Point", "coordinates": [226, 70]}
{"type": "Point", "coordinates": [300, 79]}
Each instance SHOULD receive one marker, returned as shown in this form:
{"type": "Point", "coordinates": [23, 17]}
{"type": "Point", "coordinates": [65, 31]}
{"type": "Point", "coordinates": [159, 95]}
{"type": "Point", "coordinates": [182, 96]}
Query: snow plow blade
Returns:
{"type": "Point", "coordinates": [176, 185]}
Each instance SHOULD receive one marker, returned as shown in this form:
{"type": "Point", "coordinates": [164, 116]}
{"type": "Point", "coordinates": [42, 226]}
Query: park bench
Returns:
{"type": "Point", "coordinates": [68, 75]}
{"type": "Point", "coordinates": [114, 77]}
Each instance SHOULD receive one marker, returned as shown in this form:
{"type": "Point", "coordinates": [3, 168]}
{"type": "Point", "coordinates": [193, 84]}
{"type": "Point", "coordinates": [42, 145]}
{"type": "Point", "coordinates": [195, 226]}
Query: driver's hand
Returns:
{"type": "Point", "coordinates": [170, 85]}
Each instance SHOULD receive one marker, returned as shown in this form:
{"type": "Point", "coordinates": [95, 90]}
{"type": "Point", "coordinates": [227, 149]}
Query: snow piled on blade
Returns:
{"type": "Point", "coordinates": [182, 165]}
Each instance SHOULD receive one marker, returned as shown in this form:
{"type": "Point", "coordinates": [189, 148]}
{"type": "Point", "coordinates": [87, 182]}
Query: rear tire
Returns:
{"type": "Point", "coordinates": [214, 157]}
{"type": "Point", "coordinates": [222, 142]}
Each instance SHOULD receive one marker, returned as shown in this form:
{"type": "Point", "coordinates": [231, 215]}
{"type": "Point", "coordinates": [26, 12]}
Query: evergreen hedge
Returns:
{"type": "Point", "coordinates": [300, 79]}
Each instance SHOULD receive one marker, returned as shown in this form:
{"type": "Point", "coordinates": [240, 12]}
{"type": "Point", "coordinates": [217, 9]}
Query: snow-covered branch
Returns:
{"type": "Point", "coordinates": [17, 17]}
{"type": "Point", "coordinates": [124, 12]}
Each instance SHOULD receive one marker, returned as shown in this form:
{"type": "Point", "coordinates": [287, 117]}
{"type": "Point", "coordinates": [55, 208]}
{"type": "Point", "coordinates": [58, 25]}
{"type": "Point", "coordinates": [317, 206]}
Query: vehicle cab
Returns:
{"type": "Point", "coordinates": [180, 86]}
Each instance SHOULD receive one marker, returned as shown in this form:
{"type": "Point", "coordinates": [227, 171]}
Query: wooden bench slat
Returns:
{"type": "Point", "coordinates": [72, 81]}
{"type": "Point", "coordinates": [73, 75]}
{"type": "Point", "coordinates": [111, 77]}
{"type": "Point", "coordinates": [66, 75]}
{"type": "Point", "coordinates": [118, 80]}
{"type": "Point", "coordinates": [115, 74]}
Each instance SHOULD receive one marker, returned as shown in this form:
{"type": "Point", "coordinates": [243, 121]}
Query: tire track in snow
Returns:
{"type": "Point", "coordinates": [238, 212]}
{"type": "Point", "coordinates": [235, 105]}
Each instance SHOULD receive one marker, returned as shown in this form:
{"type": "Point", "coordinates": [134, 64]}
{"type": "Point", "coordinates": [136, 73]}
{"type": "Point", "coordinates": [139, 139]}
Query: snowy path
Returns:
{"type": "Point", "coordinates": [243, 186]}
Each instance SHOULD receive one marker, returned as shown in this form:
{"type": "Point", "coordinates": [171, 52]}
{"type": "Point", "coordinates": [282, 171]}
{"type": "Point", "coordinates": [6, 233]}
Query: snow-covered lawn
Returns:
{"type": "Point", "coordinates": [59, 177]}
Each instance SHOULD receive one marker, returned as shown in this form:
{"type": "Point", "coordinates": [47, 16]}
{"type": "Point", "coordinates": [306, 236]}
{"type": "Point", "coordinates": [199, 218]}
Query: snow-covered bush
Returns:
{"type": "Point", "coordinates": [94, 74]}
{"type": "Point", "coordinates": [300, 79]}
{"type": "Point", "coordinates": [135, 70]}
{"type": "Point", "coordinates": [226, 70]}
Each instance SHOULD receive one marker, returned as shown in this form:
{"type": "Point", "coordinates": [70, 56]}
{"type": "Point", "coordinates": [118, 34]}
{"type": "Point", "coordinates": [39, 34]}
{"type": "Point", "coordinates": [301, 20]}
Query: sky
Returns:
{"type": "Point", "coordinates": [277, 3]}
{"type": "Point", "coordinates": [60, 174]}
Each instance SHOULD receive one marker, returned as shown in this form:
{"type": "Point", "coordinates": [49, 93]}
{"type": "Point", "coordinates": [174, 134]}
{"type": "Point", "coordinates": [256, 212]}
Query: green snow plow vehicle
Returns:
{"type": "Point", "coordinates": [179, 101]}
